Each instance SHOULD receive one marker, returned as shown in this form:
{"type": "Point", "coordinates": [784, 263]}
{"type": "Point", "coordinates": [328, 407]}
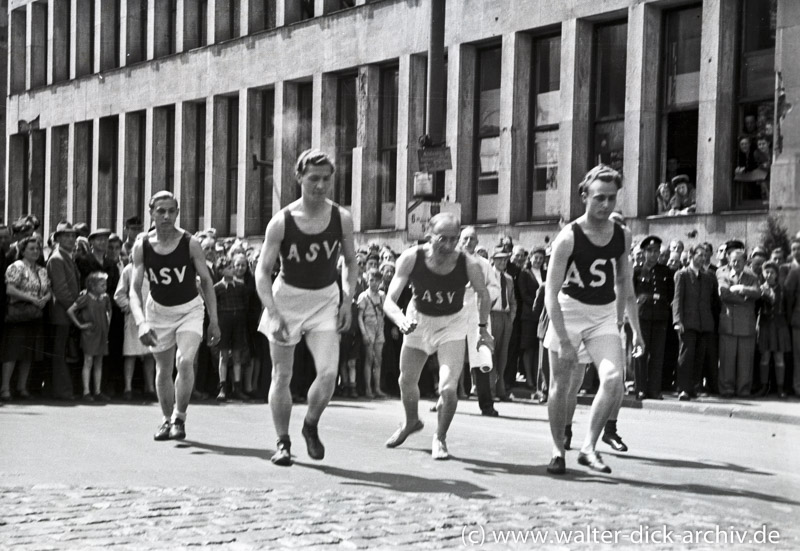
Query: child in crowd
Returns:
{"type": "Point", "coordinates": [91, 312]}
{"type": "Point", "coordinates": [773, 330]}
{"type": "Point", "coordinates": [232, 311]}
{"type": "Point", "coordinates": [132, 347]}
{"type": "Point", "coordinates": [370, 321]}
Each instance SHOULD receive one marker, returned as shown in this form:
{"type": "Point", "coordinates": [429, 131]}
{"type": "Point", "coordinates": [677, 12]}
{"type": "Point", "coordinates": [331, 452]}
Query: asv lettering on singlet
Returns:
{"type": "Point", "coordinates": [438, 297]}
{"type": "Point", "coordinates": [598, 276]}
{"type": "Point", "coordinates": [165, 275]}
{"type": "Point", "coordinates": [313, 251]}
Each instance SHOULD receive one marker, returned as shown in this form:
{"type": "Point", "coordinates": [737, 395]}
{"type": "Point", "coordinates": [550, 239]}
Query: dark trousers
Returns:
{"type": "Point", "coordinates": [649, 366]}
{"type": "Point", "coordinates": [736, 364]}
{"type": "Point", "coordinates": [693, 350]}
{"type": "Point", "coordinates": [62, 381]}
{"type": "Point", "coordinates": [514, 352]}
{"type": "Point", "coordinates": [483, 388]}
{"type": "Point", "coordinates": [670, 366]}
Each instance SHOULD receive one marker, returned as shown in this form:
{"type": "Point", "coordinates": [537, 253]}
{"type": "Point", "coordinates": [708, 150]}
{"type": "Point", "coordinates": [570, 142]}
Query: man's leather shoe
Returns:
{"type": "Point", "coordinates": [557, 466]}
{"type": "Point", "coordinates": [490, 412]}
{"type": "Point", "coordinates": [641, 396]}
{"type": "Point", "coordinates": [593, 461]}
{"type": "Point", "coordinates": [684, 397]}
{"type": "Point", "coordinates": [313, 444]}
{"type": "Point", "coordinates": [613, 440]}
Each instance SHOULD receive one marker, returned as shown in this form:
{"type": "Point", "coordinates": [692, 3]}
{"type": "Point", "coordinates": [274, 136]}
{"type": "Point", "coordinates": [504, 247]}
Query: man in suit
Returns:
{"type": "Point", "coordinates": [792, 294]}
{"type": "Point", "coordinates": [693, 307]}
{"type": "Point", "coordinates": [503, 314]}
{"type": "Point", "coordinates": [738, 292]}
{"type": "Point", "coordinates": [5, 241]}
{"type": "Point", "coordinates": [529, 282]}
{"type": "Point", "coordinates": [654, 287]}
{"type": "Point", "coordinates": [514, 267]}
{"type": "Point", "coordinates": [65, 280]}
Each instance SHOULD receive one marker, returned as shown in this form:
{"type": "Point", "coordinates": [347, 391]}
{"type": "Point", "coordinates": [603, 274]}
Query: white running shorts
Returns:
{"type": "Point", "coordinates": [168, 321]}
{"type": "Point", "coordinates": [303, 310]}
{"type": "Point", "coordinates": [583, 322]}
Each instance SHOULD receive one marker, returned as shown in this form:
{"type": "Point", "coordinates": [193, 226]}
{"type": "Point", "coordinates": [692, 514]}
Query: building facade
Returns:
{"type": "Point", "coordinates": [112, 100]}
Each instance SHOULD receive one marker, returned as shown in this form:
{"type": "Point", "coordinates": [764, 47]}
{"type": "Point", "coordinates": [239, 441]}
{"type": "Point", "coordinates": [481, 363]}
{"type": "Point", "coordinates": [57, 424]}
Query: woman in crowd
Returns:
{"type": "Point", "coordinates": [28, 290]}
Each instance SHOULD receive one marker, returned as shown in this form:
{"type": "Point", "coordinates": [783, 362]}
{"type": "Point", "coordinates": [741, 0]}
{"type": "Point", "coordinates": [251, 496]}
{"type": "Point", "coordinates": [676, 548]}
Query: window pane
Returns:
{"type": "Point", "coordinates": [609, 144]}
{"type": "Point", "coordinates": [489, 92]}
{"type": "Point", "coordinates": [611, 46]}
{"type": "Point", "coordinates": [548, 79]}
{"type": "Point", "coordinates": [758, 49]}
{"type": "Point", "coordinates": [683, 57]}
{"type": "Point", "coordinates": [545, 161]}
{"type": "Point", "coordinates": [490, 155]}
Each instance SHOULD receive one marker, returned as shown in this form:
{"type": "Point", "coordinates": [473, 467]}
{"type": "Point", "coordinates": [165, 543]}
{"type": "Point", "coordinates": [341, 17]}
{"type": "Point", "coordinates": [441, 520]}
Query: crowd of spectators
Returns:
{"type": "Point", "coordinates": [730, 329]}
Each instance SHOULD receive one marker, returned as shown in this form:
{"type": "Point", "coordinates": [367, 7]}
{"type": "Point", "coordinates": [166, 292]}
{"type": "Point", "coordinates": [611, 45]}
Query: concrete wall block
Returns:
{"type": "Point", "coordinates": [459, 182]}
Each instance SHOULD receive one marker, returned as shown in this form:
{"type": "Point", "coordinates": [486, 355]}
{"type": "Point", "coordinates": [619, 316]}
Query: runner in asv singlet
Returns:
{"type": "Point", "coordinates": [304, 300]}
{"type": "Point", "coordinates": [589, 286]}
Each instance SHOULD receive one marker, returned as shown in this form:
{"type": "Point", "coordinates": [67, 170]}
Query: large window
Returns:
{"type": "Point", "coordinates": [487, 133]}
{"type": "Point", "coordinates": [756, 106]}
{"type": "Point", "coordinates": [387, 147]}
{"type": "Point", "coordinates": [611, 42]}
{"type": "Point", "coordinates": [679, 108]}
{"type": "Point", "coordinates": [346, 136]}
{"type": "Point", "coordinates": [545, 99]}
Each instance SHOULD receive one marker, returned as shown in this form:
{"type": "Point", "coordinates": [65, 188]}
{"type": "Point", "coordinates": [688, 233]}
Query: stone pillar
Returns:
{"type": "Point", "coordinates": [177, 156]}
{"type": "Point", "coordinates": [286, 124]}
{"type": "Point", "coordinates": [785, 172]}
{"type": "Point", "coordinates": [148, 153]}
{"type": "Point", "coordinates": [365, 154]}
{"type": "Point", "coordinates": [72, 134]}
{"type": "Point", "coordinates": [573, 136]}
{"type": "Point", "coordinates": [152, 10]}
{"type": "Point", "coordinates": [641, 112]}
{"type": "Point", "coordinates": [515, 86]}
{"type": "Point", "coordinates": [208, 184]}
{"type": "Point", "coordinates": [122, 167]}
{"type": "Point", "coordinates": [94, 188]}
{"type": "Point", "coordinates": [123, 38]}
{"type": "Point", "coordinates": [82, 177]}
{"type": "Point", "coordinates": [37, 30]}
{"type": "Point", "coordinates": [715, 137]}
{"type": "Point", "coordinates": [459, 182]}
{"type": "Point", "coordinates": [48, 187]}
{"type": "Point", "coordinates": [323, 119]}
{"type": "Point", "coordinates": [410, 126]}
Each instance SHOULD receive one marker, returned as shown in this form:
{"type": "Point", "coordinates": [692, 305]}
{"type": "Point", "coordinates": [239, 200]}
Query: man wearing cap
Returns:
{"type": "Point", "coordinates": [133, 227]}
{"type": "Point", "coordinates": [65, 280]}
{"type": "Point", "coordinates": [502, 316]}
{"type": "Point", "coordinates": [738, 292]}
{"type": "Point", "coordinates": [654, 287]}
{"type": "Point", "coordinates": [95, 260]}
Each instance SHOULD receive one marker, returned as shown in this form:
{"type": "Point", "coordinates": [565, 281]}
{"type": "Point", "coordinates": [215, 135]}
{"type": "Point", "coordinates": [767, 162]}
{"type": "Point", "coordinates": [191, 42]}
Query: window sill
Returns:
{"type": "Point", "coordinates": [744, 211]}
{"type": "Point", "coordinates": [379, 230]}
{"type": "Point", "coordinates": [537, 222]}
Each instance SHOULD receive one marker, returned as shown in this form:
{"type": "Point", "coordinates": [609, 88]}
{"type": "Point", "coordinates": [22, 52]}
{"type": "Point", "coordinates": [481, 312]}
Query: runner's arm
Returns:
{"type": "Point", "coordinates": [556, 273]}
{"type": "Point", "coordinates": [135, 291]}
{"type": "Point", "coordinates": [479, 284]}
{"type": "Point", "coordinates": [390, 308]}
{"type": "Point", "coordinates": [624, 286]}
{"type": "Point", "coordinates": [266, 260]}
{"type": "Point", "coordinates": [350, 267]}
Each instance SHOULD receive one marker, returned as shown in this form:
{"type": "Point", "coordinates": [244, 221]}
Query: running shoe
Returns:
{"type": "Point", "coordinates": [163, 432]}
{"type": "Point", "coordinates": [283, 457]}
{"type": "Point", "coordinates": [557, 466]}
{"type": "Point", "coordinates": [593, 461]}
{"type": "Point", "coordinates": [613, 439]}
{"type": "Point", "coordinates": [178, 430]}
{"type": "Point", "coordinates": [313, 444]}
{"type": "Point", "coordinates": [439, 449]}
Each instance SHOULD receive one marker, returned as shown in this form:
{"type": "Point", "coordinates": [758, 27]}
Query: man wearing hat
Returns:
{"type": "Point", "coordinates": [65, 280]}
{"type": "Point", "coordinates": [504, 310]}
{"type": "Point", "coordinates": [654, 287]}
{"type": "Point", "coordinates": [95, 259]}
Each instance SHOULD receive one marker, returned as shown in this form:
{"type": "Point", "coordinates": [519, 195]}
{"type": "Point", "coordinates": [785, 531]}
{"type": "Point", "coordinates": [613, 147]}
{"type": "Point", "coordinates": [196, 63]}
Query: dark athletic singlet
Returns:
{"type": "Point", "coordinates": [172, 276]}
{"type": "Point", "coordinates": [591, 270]}
{"type": "Point", "coordinates": [308, 261]}
{"type": "Point", "coordinates": [436, 294]}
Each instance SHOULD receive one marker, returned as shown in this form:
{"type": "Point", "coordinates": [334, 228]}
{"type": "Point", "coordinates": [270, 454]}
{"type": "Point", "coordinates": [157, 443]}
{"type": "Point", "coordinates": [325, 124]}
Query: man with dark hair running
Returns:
{"type": "Point", "coordinates": [436, 321]}
{"type": "Point", "coordinates": [588, 276]}
{"type": "Point", "coordinates": [304, 300]}
{"type": "Point", "coordinates": [172, 318]}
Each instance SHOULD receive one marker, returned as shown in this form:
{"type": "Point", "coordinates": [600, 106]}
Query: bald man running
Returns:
{"type": "Point", "coordinates": [436, 322]}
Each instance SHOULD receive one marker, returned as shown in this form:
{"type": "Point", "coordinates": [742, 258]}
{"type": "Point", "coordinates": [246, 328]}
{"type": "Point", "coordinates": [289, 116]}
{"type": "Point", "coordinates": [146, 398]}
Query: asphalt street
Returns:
{"type": "Point", "coordinates": [91, 475]}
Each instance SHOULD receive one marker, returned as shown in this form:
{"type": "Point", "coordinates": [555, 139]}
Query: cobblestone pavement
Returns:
{"type": "Point", "coordinates": [61, 517]}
